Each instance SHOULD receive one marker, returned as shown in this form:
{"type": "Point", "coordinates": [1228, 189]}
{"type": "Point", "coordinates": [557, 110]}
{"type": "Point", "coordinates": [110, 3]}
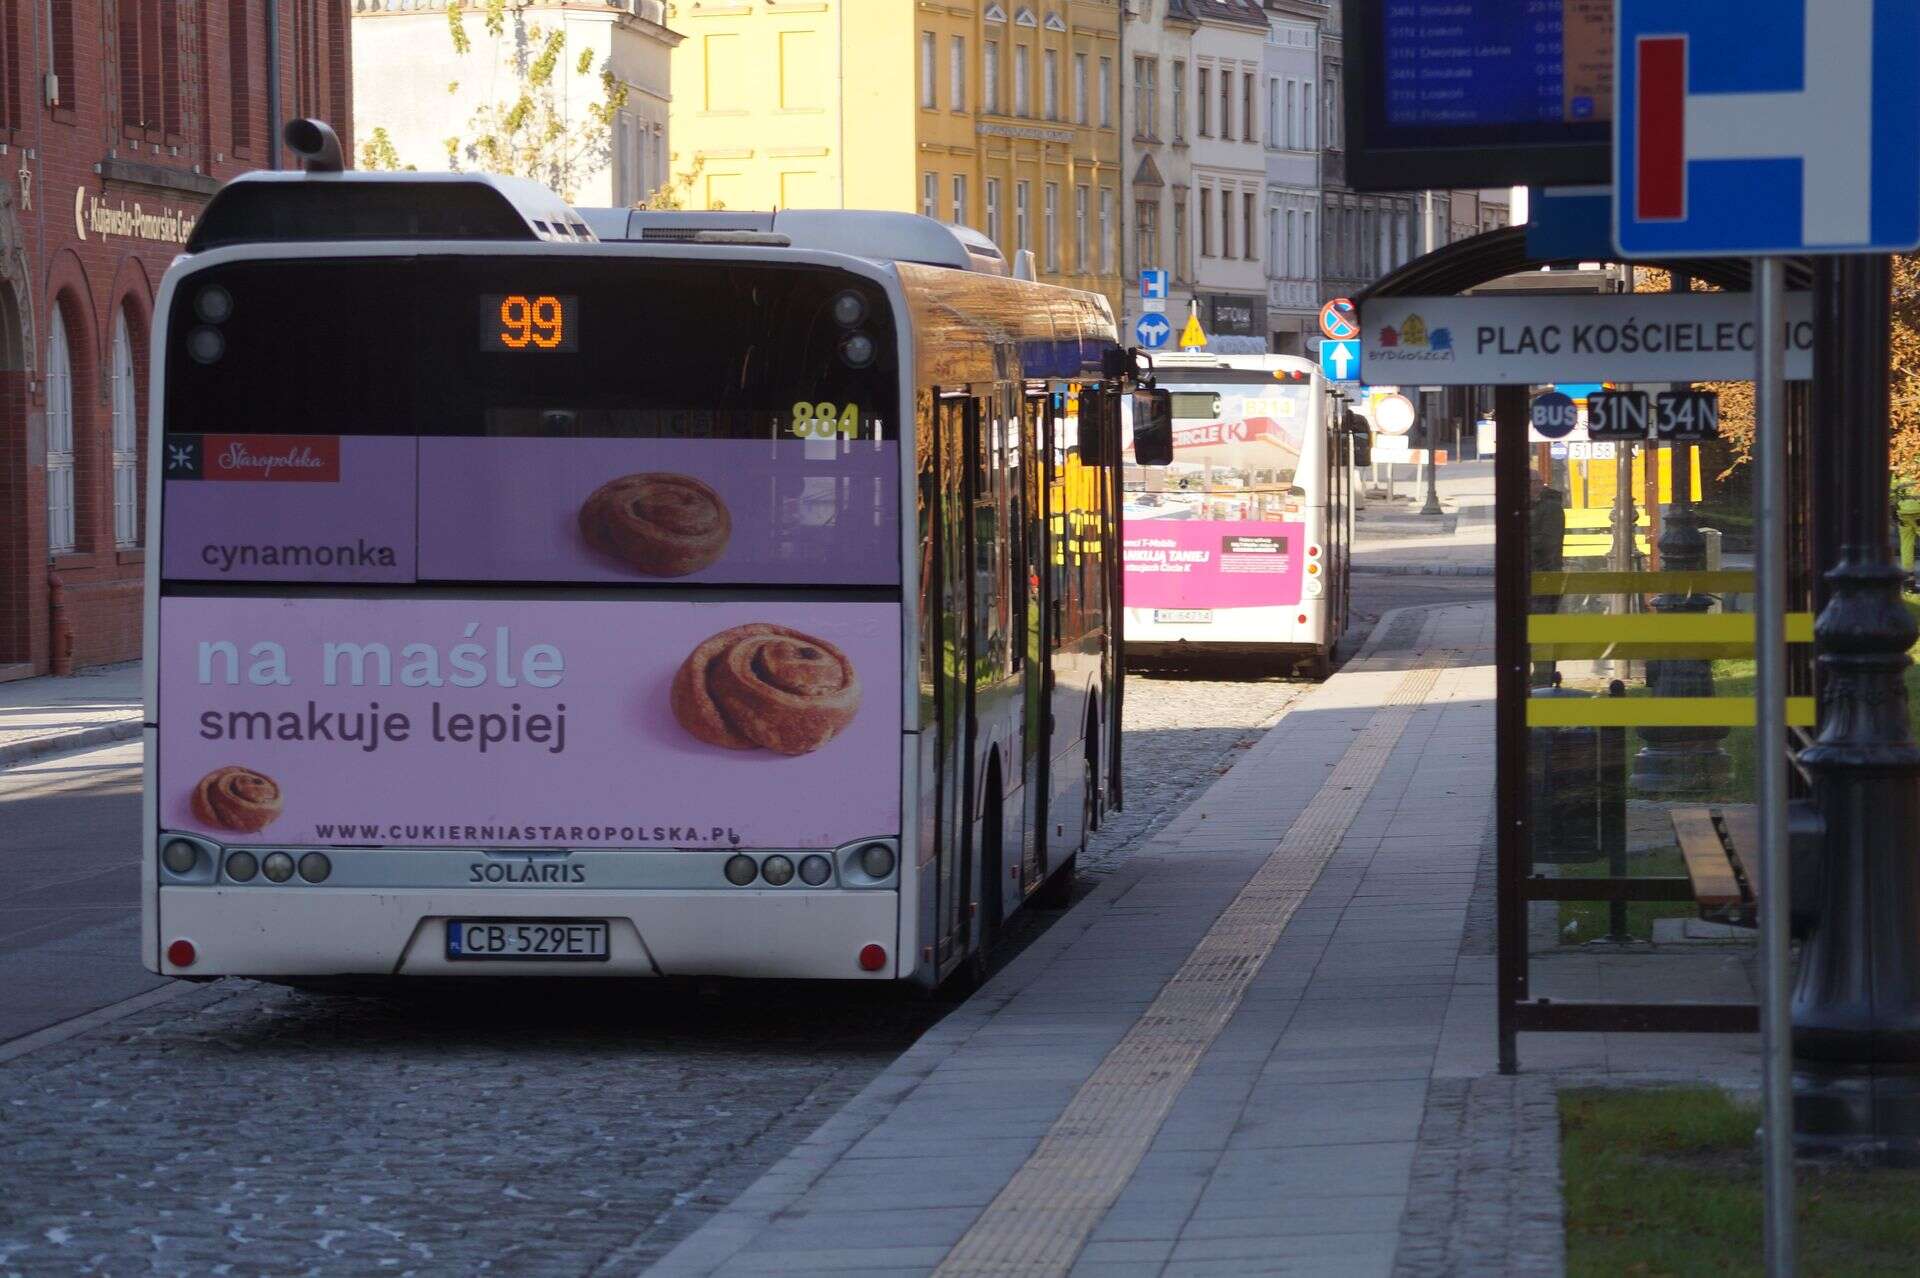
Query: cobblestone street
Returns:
{"type": "Point", "coordinates": [250, 1126]}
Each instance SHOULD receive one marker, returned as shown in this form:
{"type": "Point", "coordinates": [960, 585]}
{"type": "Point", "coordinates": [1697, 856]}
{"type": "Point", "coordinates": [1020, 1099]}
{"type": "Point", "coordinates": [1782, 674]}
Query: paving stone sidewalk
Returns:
{"type": "Point", "coordinates": [40, 716]}
{"type": "Point", "coordinates": [1302, 1117]}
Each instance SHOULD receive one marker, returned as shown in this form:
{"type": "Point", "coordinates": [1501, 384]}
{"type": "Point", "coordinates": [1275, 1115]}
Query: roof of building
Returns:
{"type": "Point", "coordinates": [1245, 12]}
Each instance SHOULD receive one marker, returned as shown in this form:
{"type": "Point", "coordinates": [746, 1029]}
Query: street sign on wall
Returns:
{"type": "Point", "coordinates": [1623, 337]}
{"type": "Point", "coordinates": [1763, 127]}
{"type": "Point", "coordinates": [1340, 361]}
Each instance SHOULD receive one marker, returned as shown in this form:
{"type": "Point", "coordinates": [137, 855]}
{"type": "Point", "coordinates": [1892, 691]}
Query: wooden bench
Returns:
{"type": "Point", "coordinates": [1718, 843]}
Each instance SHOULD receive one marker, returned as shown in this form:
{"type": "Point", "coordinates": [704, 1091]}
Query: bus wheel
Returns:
{"type": "Point", "coordinates": [1320, 668]}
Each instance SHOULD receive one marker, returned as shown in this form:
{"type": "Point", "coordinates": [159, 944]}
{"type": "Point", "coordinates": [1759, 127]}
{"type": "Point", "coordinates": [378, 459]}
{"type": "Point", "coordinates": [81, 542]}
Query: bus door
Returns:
{"type": "Point", "coordinates": [946, 601]}
{"type": "Point", "coordinates": [994, 693]}
{"type": "Point", "coordinates": [1032, 560]}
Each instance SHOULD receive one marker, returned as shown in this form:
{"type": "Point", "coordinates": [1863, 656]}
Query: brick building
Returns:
{"type": "Point", "coordinates": [117, 119]}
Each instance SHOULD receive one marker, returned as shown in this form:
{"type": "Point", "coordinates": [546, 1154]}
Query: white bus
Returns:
{"type": "Point", "coordinates": [1239, 549]}
{"type": "Point", "coordinates": [711, 595]}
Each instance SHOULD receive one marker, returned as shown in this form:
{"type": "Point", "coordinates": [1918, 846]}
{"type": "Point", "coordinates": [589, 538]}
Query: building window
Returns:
{"type": "Point", "coordinates": [1249, 224]}
{"type": "Point", "coordinates": [1248, 117]}
{"type": "Point", "coordinates": [65, 61]}
{"type": "Point", "coordinates": [959, 199]}
{"type": "Point", "coordinates": [1309, 256]}
{"type": "Point", "coordinates": [1106, 93]}
{"type": "Point", "coordinates": [1276, 122]}
{"type": "Point", "coordinates": [1290, 248]}
{"type": "Point", "coordinates": [1226, 224]}
{"type": "Point", "coordinates": [149, 50]}
{"type": "Point", "coordinates": [60, 536]}
{"type": "Point", "coordinates": [1178, 75]}
{"type": "Point", "coordinates": [1106, 231]}
{"type": "Point", "coordinates": [126, 438]}
{"type": "Point", "coordinates": [1146, 99]}
{"type": "Point", "coordinates": [1146, 234]}
{"type": "Point", "coordinates": [240, 71]}
{"type": "Point", "coordinates": [957, 74]}
{"type": "Point", "coordinates": [1080, 88]}
{"type": "Point", "coordinates": [1022, 80]}
{"type": "Point", "coordinates": [1226, 106]}
{"type": "Point", "coordinates": [1205, 128]}
{"type": "Point", "coordinates": [1051, 213]}
{"type": "Point", "coordinates": [929, 71]}
{"type": "Point", "coordinates": [1308, 140]}
{"type": "Point", "coordinates": [1081, 196]}
{"type": "Point", "coordinates": [929, 195]}
{"type": "Point", "coordinates": [993, 209]}
{"type": "Point", "coordinates": [990, 73]}
{"type": "Point", "coordinates": [1050, 82]}
{"type": "Point", "coordinates": [1206, 218]}
{"type": "Point", "coordinates": [1179, 235]}
{"type": "Point", "coordinates": [1021, 241]}
{"type": "Point", "coordinates": [1330, 117]}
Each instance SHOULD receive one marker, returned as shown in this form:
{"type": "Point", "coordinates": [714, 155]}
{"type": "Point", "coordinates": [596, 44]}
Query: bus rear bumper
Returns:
{"type": "Point", "coordinates": [317, 931]}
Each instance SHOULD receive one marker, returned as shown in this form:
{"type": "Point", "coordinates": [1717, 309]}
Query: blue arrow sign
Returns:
{"type": "Point", "coordinates": [1340, 361]}
{"type": "Point", "coordinates": [1803, 139]}
{"type": "Point", "coordinates": [1153, 284]}
{"type": "Point", "coordinates": [1153, 331]}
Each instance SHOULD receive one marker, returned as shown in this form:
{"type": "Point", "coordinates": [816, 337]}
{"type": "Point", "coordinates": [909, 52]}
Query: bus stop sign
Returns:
{"type": "Point", "coordinates": [1804, 141]}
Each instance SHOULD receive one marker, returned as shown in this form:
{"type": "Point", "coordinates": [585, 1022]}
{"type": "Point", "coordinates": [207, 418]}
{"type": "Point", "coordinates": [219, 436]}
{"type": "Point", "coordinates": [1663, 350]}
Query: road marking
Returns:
{"type": "Point", "coordinates": [1042, 1218]}
{"type": "Point", "coordinates": [74, 1026]}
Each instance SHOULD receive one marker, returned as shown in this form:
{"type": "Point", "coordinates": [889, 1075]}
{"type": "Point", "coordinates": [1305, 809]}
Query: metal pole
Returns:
{"type": "Point", "coordinates": [273, 84]}
{"type": "Point", "coordinates": [1770, 757]}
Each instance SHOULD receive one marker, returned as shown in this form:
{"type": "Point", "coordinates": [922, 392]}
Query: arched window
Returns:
{"type": "Point", "coordinates": [59, 438]}
{"type": "Point", "coordinates": [126, 438]}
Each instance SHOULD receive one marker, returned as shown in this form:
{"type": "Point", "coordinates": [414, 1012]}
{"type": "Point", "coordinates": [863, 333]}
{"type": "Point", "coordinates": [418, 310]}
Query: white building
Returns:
{"type": "Point", "coordinates": [1292, 68]}
{"type": "Point", "coordinates": [409, 80]}
{"type": "Point", "coordinates": [1228, 134]}
{"type": "Point", "coordinates": [1156, 136]}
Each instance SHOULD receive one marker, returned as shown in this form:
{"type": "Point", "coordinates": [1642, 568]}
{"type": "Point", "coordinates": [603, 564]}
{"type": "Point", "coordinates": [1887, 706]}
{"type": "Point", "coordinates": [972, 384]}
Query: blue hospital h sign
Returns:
{"type": "Point", "coordinates": [1751, 127]}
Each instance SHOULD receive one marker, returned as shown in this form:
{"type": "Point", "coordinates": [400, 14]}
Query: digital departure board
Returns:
{"type": "Point", "coordinates": [529, 322]}
{"type": "Point", "coordinates": [1463, 93]}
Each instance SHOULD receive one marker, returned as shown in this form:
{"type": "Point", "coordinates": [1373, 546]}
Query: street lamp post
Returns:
{"type": "Point", "coordinates": [1856, 1005]}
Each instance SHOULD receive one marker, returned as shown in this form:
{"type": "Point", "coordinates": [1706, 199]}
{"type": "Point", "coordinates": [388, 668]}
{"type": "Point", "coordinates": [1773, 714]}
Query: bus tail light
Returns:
{"type": "Point", "coordinates": [1313, 550]}
{"type": "Point", "coordinates": [742, 869]}
{"type": "Point", "coordinates": [1315, 587]}
{"type": "Point", "coordinates": [181, 953]}
{"type": "Point", "coordinates": [872, 957]}
{"type": "Point", "coordinates": [815, 870]}
{"type": "Point", "coordinates": [877, 860]}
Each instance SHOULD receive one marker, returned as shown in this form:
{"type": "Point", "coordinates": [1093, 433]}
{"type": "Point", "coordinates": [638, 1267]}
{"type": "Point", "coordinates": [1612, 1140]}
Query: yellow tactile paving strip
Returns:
{"type": "Point", "coordinates": [1039, 1222]}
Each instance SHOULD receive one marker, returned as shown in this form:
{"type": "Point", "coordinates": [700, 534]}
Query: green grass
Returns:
{"type": "Point", "coordinates": [1594, 917]}
{"type": "Point", "coordinates": [1667, 1182]}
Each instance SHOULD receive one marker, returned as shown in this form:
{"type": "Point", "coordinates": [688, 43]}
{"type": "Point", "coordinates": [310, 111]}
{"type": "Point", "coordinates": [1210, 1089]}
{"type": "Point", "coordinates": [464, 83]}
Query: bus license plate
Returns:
{"type": "Point", "coordinates": [582, 939]}
{"type": "Point", "coordinates": [1190, 616]}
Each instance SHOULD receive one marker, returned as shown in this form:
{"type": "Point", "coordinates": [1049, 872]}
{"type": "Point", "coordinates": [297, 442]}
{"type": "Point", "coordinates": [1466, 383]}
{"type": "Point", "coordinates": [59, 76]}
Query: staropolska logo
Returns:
{"type": "Point", "coordinates": [309, 459]}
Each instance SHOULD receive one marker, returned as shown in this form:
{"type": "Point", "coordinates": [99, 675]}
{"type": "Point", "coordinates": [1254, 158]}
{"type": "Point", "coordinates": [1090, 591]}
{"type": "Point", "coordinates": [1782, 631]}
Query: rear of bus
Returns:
{"type": "Point", "coordinates": [1225, 551]}
{"type": "Point", "coordinates": [522, 607]}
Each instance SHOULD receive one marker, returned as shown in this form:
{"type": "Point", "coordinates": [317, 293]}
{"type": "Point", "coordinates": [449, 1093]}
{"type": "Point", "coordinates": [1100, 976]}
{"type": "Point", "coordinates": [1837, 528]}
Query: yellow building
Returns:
{"type": "Point", "coordinates": [1000, 115]}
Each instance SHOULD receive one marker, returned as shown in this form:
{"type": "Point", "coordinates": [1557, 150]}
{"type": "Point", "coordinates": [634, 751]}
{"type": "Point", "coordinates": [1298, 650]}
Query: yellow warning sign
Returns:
{"type": "Point", "coordinates": [1192, 337]}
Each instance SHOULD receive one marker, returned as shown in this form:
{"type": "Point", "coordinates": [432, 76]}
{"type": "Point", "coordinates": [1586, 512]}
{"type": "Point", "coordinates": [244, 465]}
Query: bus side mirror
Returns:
{"type": "Point", "coordinates": [1153, 427]}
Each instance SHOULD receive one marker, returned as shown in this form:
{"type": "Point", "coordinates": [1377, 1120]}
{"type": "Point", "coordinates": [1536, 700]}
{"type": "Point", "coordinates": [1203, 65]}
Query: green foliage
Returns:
{"type": "Point", "coordinates": [526, 133]}
{"type": "Point", "coordinates": [1667, 1181]}
{"type": "Point", "coordinates": [677, 192]}
{"type": "Point", "coordinates": [377, 153]}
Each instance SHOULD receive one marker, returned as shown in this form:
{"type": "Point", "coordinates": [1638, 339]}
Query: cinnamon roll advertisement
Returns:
{"type": "Point", "coordinates": [640, 510]}
{"type": "Point", "coordinates": [518, 723]}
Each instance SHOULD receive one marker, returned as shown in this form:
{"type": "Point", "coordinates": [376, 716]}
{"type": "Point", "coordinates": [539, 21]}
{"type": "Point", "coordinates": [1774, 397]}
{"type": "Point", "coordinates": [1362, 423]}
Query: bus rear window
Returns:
{"type": "Point", "coordinates": [531, 346]}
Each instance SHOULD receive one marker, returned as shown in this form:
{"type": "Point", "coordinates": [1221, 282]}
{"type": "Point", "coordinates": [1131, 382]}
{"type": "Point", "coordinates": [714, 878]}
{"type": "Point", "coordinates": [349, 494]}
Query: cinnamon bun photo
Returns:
{"type": "Point", "coordinates": [762, 686]}
{"type": "Point", "coordinates": [657, 522]}
{"type": "Point", "coordinates": [237, 799]}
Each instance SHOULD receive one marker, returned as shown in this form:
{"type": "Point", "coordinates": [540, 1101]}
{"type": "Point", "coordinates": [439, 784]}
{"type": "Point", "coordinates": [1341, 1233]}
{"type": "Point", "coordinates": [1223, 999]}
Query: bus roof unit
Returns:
{"type": "Point", "coordinates": [883, 236]}
{"type": "Point", "coordinates": [279, 206]}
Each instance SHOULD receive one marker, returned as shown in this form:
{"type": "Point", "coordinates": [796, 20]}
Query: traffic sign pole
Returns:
{"type": "Point", "coordinates": [1770, 759]}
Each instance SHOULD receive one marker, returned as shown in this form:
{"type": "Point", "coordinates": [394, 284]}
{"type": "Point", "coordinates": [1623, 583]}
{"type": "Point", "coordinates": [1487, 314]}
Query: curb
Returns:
{"type": "Point", "coordinates": [33, 747]}
{"type": "Point", "coordinates": [1422, 570]}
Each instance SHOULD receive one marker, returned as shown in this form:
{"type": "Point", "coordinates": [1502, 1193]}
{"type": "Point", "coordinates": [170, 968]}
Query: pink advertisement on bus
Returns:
{"type": "Point", "coordinates": [623, 510]}
{"type": "Point", "coordinates": [1201, 563]}
{"type": "Point", "coordinates": [288, 508]}
{"type": "Point", "coordinates": [529, 723]}
{"type": "Point", "coordinates": [358, 509]}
